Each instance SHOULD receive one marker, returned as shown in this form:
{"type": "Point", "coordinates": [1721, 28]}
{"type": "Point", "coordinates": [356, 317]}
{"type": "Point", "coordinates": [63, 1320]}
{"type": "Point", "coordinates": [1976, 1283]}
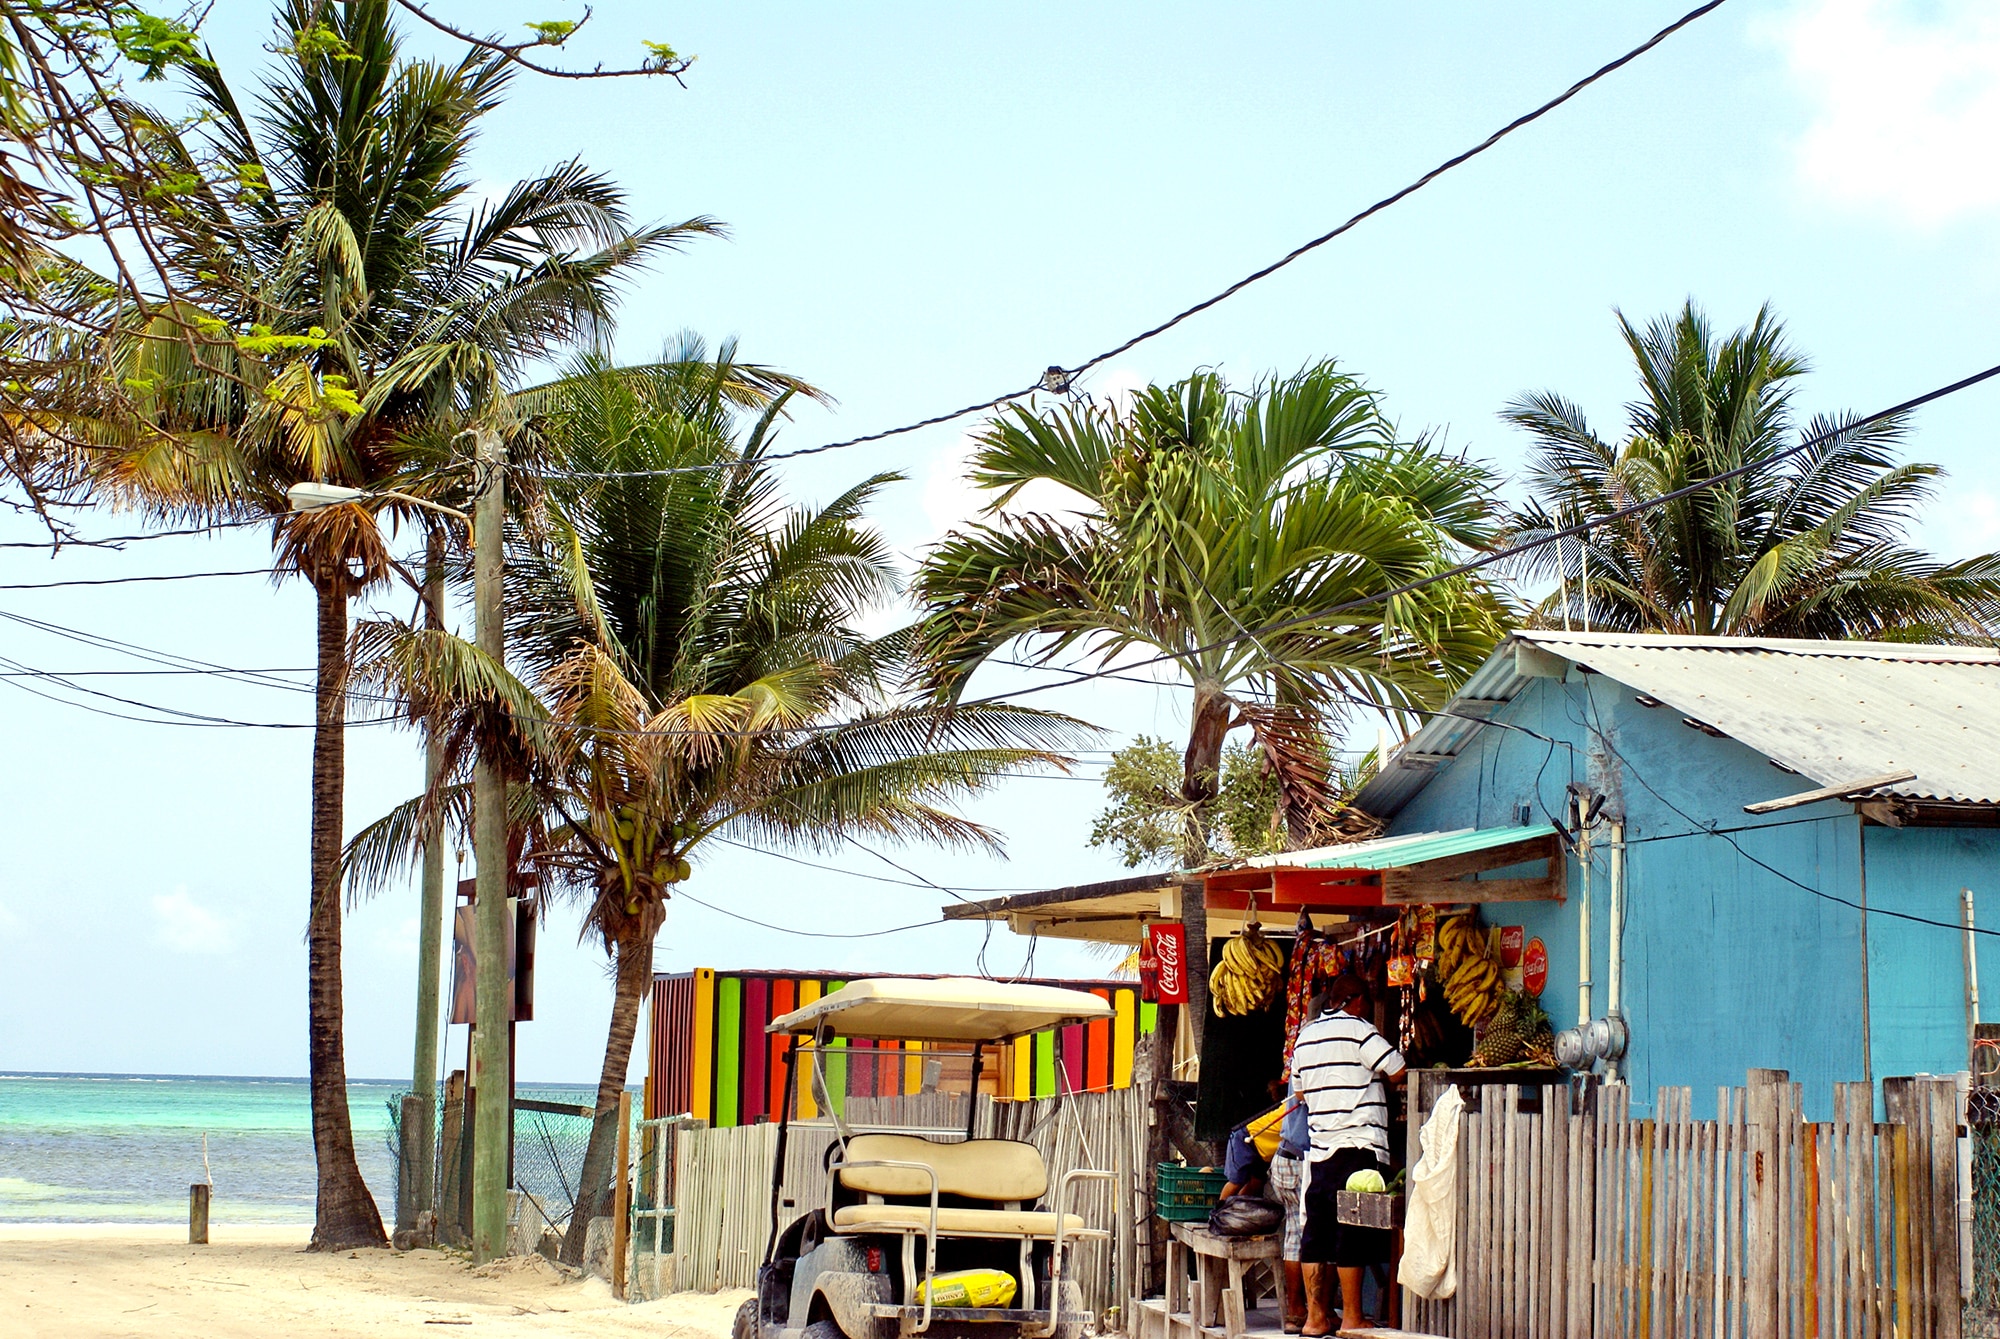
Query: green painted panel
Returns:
{"type": "Point", "coordinates": [1045, 1064]}
{"type": "Point", "coordinates": [728, 1048]}
{"type": "Point", "coordinates": [836, 1064]}
{"type": "Point", "coordinates": [1149, 1018]}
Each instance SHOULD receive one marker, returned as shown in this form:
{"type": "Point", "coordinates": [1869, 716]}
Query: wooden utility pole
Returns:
{"type": "Point", "coordinates": [430, 941]}
{"type": "Point", "coordinates": [493, 1000]}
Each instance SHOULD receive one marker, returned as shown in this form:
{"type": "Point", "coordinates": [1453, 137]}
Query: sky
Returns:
{"type": "Point", "coordinates": [926, 206]}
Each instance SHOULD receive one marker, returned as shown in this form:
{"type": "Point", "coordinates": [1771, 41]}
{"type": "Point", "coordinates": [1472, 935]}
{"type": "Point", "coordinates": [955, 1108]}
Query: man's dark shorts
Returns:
{"type": "Point", "coordinates": [1328, 1241]}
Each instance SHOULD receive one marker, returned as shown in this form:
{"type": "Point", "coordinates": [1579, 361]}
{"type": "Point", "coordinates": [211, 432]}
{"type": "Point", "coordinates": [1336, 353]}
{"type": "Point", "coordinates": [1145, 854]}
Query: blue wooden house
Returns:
{"type": "Point", "coordinates": [1751, 798]}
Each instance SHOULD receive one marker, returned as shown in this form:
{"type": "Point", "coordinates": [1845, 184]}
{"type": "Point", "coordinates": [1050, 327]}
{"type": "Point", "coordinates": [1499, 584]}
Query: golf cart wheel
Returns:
{"type": "Point", "coordinates": [824, 1329]}
{"type": "Point", "coordinates": [746, 1321]}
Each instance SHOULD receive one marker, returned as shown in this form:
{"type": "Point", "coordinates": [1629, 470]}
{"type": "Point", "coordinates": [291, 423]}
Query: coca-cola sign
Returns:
{"type": "Point", "coordinates": [1168, 944]}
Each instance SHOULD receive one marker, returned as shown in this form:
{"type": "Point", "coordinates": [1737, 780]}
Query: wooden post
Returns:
{"type": "Point", "coordinates": [621, 1199]}
{"type": "Point", "coordinates": [451, 1220]}
{"type": "Point", "coordinates": [198, 1213]}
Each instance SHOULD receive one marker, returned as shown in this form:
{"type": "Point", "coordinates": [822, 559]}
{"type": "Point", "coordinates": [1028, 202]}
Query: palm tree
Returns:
{"type": "Point", "coordinates": [691, 670]}
{"type": "Point", "coordinates": [1218, 529]}
{"type": "Point", "coordinates": [355, 314]}
{"type": "Point", "coordinates": [1805, 543]}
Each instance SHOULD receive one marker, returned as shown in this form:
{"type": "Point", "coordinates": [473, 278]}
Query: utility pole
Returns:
{"type": "Point", "coordinates": [493, 1000]}
{"type": "Point", "coordinates": [430, 933]}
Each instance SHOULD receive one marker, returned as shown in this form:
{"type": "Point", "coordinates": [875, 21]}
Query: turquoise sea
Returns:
{"type": "Point", "coordinates": [123, 1148]}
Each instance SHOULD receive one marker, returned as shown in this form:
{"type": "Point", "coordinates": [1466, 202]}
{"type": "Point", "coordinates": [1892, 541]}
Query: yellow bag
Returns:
{"type": "Point", "coordinates": [1267, 1130]}
{"type": "Point", "coordinates": [969, 1287]}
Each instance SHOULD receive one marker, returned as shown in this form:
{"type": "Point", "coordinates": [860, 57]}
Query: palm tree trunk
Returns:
{"type": "Point", "coordinates": [1201, 766]}
{"type": "Point", "coordinates": [346, 1215]}
{"type": "Point", "coordinates": [635, 974]}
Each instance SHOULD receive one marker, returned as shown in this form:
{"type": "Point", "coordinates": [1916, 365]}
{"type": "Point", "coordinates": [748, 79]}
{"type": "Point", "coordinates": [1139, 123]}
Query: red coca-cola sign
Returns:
{"type": "Point", "coordinates": [1535, 966]}
{"type": "Point", "coordinates": [1168, 944]}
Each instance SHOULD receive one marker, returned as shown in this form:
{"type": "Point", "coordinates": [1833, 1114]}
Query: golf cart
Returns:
{"type": "Point", "coordinates": [902, 1206]}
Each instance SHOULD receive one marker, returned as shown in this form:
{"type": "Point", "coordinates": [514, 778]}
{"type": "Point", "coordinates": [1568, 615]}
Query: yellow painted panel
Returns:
{"type": "Point", "coordinates": [1024, 1068]}
{"type": "Point", "coordinates": [808, 1104]}
{"type": "Point", "coordinates": [913, 1067]}
{"type": "Point", "coordinates": [1123, 1028]}
{"type": "Point", "coordinates": [701, 1073]}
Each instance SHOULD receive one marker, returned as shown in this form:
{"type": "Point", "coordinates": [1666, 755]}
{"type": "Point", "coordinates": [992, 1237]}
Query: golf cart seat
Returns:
{"type": "Point", "coordinates": [1004, 1173]}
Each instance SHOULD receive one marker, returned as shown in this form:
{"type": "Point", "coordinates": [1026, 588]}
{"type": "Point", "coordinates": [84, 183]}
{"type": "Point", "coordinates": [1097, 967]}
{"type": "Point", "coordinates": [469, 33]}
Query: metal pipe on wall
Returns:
{"type": "Point", "coordinates": [1971, 976]}
{"type": "Point", "coordinates": [1615, 968]}
{"type": "Point", "coordinates": [1584, 1001]}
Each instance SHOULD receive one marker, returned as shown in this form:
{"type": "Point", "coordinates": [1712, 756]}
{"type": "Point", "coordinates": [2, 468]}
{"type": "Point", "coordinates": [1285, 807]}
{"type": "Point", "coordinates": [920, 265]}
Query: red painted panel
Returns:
{"type": "Point", "coordinates": [1097, 1058]}
{"type": "Point", "coordinates": [784, 999]}
{"type": "Point", "coordinates": [756, 1013]}
{"type": "Point", "coordinates": [1072, 1055]}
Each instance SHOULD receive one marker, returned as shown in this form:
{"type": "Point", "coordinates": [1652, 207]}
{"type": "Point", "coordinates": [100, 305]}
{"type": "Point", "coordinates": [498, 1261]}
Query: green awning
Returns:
{"type": "Point", "coordinates": [1412, 848]}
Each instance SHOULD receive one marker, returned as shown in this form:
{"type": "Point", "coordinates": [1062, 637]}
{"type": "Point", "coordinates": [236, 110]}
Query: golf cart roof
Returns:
{"type": "Point", "coordinates": [947, 1008]}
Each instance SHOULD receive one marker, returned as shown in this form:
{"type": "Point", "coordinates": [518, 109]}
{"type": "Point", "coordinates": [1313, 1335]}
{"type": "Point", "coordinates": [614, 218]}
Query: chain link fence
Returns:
{"type": "Point", "coordinates": [551, 1134]}
{"type": "Point", "coordinates": [1983, 1120]}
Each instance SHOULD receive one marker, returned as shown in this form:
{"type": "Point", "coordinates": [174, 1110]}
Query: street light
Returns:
{"type": "Point", "coordinates": [313, 496]}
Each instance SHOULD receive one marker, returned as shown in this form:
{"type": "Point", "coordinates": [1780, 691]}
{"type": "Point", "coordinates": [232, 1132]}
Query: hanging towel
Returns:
{"type": "Point", "coordinates": [1428, 1223]}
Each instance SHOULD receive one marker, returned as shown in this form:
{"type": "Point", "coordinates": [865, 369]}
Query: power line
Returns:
{"type": "Point", "coordinates": [115, 542]}
{"type": "Point", "coordinates": [809, 934]}
{"type": "Point", "coordinates": [127, 581]}
{"type": "Point", "coordinates": [193, 719]}
{"type": "Point", "coordinates": [1057, 379]}
{"type": "Point", "coordinates": [1729, 835]}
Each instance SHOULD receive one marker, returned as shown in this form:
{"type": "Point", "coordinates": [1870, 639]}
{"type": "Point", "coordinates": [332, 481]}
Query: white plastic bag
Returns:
{"type": "Point", "coordinates": [1429, 1224]}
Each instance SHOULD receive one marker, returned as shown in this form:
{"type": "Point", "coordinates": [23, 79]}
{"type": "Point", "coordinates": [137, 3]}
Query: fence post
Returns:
{"type": "Point", "coordinates": [451, 1188]}
{"type": "Point", "coordinates": [1761, 1189]}
{"type": "Point", "coordinates": [621, 1202]}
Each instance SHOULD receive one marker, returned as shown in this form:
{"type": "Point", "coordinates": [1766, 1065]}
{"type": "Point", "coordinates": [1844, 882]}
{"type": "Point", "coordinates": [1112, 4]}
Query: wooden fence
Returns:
{"type": "Point", "coordinates": [1588, 1224]}
{"type": "Point", "coordinates": [721, 1184]}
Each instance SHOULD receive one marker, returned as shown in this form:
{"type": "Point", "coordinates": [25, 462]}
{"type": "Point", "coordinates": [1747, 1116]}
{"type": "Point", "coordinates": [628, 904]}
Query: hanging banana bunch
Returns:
{"type": "Point", "coordinates": [1467, 970]}
{"type": "Point", "coordinates": [1248, 977]}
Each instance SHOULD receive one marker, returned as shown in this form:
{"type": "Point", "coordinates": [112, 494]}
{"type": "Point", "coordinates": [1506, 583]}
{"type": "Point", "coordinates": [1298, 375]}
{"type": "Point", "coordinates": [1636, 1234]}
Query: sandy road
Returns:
{"type": "Point", "coordinates": [88, 1282]}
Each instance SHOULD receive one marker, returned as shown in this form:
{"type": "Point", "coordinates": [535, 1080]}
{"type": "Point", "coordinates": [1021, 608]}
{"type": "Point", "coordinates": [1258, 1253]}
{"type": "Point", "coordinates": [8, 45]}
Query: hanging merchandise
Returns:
{"type": "Point", "coordinates": [1247, 979]}
{"type": "Point", "coordinates": [1466, 969]}
{"type": "Point", "coordinates": [1313, 956]}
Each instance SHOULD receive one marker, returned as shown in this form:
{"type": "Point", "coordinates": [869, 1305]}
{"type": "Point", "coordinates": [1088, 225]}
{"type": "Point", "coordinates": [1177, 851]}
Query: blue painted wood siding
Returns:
{"type": "Point", "coordinates": [1728, 965]}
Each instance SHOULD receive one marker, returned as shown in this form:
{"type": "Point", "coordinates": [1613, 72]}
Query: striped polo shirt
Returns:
{"type": "Point", "coordinates": [1337, 1067]}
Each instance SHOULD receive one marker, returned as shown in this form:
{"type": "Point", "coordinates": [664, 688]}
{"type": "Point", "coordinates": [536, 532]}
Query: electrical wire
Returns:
{"type": "Point", "coordinates": [855, 873]}
{"type": "Point", "coordinates": [133, 580]}
{"type": "Point", "coordinates": [193, 719]}
{"type": "Point", "coordinates": [809, 934]}
{"type": "Point", "coordinates": [1057, 379]}
{"type": "Point", "coordinates": [1729, 835]}
{"type": "Point", "coordinates": [115, 542]}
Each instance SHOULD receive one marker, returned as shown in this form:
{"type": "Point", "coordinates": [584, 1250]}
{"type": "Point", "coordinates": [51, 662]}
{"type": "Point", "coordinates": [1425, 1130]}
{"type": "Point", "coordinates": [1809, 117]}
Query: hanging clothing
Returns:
{"type": "Point", "coordinates": [1313, 958]}
{"type": "Point", "coordinates": [1429, 1221]}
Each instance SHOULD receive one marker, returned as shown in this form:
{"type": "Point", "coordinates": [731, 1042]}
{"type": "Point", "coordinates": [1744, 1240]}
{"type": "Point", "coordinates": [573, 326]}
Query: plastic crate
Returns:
{"type": "Point", "coordinates": [1183, 1194]}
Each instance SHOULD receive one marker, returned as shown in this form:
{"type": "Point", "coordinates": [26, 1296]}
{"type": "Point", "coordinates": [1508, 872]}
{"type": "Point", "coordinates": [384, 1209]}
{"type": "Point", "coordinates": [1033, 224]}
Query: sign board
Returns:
{"type": "Point", "coordinates": [520, 961]}
{"type": "Point", "coordinates": [1168, 944]}
{"type": "Point", "coordinates": [1535, 966]}
{"type": "Point", "coordinates": [1510, 946]}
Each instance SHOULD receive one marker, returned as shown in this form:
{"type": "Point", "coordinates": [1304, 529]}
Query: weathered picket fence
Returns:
{"type": "Point", "coordinates": [1577, 1221]}
{"type": "Point", "coordinates": [721, 1183]}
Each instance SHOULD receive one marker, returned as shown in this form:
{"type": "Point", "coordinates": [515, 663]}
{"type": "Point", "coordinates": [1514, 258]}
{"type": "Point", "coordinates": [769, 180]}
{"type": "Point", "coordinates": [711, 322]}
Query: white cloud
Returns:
{"type": "Point", "coordinates": [1905, 105]}
{"type": "Point", "coordinates": [188, 927]}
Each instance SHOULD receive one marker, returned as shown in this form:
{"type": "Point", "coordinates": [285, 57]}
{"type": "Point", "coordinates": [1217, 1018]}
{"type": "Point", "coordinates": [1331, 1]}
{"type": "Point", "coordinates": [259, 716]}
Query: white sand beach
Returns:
{"type": "Point", "coordinates": [62, 1281]}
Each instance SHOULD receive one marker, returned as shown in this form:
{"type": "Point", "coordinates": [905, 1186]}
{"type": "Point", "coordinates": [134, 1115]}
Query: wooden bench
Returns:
{"type": "Point", "coordinates": [1221, 1265]}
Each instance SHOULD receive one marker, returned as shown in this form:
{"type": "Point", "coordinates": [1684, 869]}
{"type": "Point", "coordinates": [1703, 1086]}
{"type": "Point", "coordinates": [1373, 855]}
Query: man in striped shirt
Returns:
{"type": "Point", "coordinates": [1340, 1068]}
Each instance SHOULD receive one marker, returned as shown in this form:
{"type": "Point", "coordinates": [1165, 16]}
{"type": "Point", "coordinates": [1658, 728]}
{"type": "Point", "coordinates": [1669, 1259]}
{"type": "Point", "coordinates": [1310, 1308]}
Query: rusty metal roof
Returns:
{"type": "Point", "coordinates": [1836, 712]}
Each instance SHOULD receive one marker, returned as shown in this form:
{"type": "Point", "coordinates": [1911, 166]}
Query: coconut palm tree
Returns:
{"type": "Point", "coordinates": [687, 667]}
{"type": "Point", "coordinates": [1810, 543]}
{"type": "Point", "coordinates": [1218, 529]}
{"type": "Point", "coordinates": [354, 311]}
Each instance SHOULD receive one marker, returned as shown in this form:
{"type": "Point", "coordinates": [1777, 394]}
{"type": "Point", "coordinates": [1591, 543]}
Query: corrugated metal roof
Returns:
{"type": "Point", "coordinates": [1412, 848]}
{"type": "Point", "coordinates": [1836, 712]}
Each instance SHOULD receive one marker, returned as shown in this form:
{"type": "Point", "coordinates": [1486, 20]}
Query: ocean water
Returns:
{"type": "Point", "coordinates": [123, 1148]}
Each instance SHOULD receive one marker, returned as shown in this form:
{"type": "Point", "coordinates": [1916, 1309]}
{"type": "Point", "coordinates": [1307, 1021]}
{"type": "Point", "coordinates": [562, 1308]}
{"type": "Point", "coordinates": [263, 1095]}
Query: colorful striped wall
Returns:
{"type": "Point", "coordinates": [711, 1058]}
